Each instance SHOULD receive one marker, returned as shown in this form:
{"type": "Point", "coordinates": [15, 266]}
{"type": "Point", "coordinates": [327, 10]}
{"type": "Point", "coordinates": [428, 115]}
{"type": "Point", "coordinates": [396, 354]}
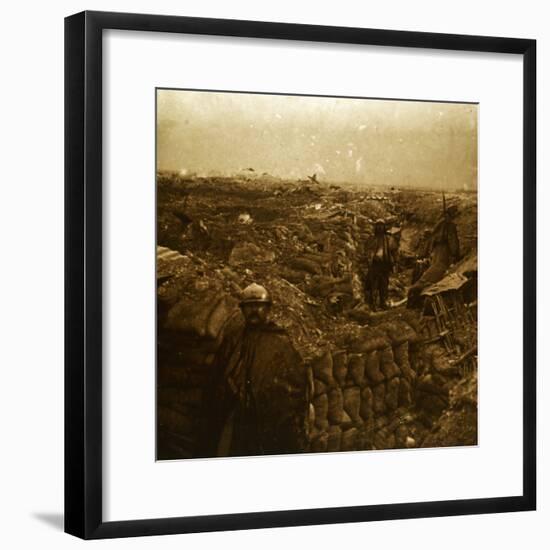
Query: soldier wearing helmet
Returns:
{"type": "Point", "coordinates": [443, 250]}
{"type": "Point", "coordinates": [381, 256]}
{"type": "Point", "coordinates": [255, 305]}
{"type": "Point", "coordinates": [258, 400]}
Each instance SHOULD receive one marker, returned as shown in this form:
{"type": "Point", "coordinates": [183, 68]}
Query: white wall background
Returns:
{"type": "Point", "coordinates": [31, 290]}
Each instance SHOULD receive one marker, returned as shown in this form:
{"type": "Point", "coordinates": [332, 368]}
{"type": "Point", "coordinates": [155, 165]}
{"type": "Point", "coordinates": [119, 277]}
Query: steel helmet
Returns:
{"type": "Point", "coordinates": [255, 293]}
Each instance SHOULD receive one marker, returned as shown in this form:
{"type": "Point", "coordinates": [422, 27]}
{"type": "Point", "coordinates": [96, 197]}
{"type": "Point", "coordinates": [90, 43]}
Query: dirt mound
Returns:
{"type": "Point", "coordinates": [457, 425]}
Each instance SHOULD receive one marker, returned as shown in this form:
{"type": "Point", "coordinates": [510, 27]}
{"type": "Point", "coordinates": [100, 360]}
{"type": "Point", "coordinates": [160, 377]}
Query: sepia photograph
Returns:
{"type": "Point", "coordinates": [316, 270]}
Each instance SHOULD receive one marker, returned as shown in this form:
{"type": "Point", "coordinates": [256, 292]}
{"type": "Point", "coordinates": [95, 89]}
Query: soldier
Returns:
{"type": "Point", "coordinates": [381, 257]}
{"type": "Point", "coordinates": [443, 250]}
{"type": "Point", "coordinates": [258, 400]}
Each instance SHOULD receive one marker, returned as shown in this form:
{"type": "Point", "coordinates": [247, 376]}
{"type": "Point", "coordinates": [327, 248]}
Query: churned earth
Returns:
{"type": "Point", "coordinates": [304, 241]}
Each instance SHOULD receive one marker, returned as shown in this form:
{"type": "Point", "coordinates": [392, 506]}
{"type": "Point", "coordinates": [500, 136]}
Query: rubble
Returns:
{"type": "Point", "coordinates": [249, 253]}
{"type": "Point", "coordinates": [457, 424]}
{"type": "Point", "coordinates": [245, 218]}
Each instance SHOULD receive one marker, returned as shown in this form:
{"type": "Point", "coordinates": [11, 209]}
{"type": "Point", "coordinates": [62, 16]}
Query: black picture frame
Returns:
{"type": "Point", "coordinates": [83, 273]}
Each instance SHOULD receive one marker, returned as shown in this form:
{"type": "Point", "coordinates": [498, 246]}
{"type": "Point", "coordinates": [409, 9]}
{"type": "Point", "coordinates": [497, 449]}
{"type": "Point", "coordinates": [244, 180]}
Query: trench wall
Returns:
{"type": "Point", "coordinates": [360, 395]}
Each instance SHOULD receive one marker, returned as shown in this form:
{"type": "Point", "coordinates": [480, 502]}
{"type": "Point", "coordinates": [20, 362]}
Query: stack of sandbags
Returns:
{"type": "Point", "coordinates": [184, 367]}
{"type": "Point", "coordinates": [193, 312]}
{"type": "Point", "coordinates": [362, 392]}
{"type": "Point", "coordinates": [203, 315]}
{"type": "Point", "coordinates": [343, 401]}
{"type": "Point", "coordinates": [336, 401]}
{"type": "Point", "coordinates": [402, 359]}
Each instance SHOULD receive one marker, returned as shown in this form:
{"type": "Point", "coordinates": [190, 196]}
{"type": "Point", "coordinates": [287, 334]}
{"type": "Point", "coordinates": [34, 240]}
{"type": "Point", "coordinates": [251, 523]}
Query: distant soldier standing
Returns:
{"type": "Point", "coordinates": [443, 250]}
{"type": "Point", "coordinates": [258, 400]}
{"type": "Point", "coordinates": [381, 257]}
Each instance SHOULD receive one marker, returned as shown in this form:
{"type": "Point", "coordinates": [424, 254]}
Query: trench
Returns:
{"type": "Point", "coordinates": [379, 380]}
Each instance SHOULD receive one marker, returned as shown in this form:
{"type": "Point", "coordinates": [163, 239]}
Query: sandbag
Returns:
{"type": "Point", "coordinates": [380, 439]}
{"type": "Point", "coordinates": [398, 332]}
{"type": "Point", "coordinates": [384, 439]}
{"type": "Point", "coordinates": [320, 404]}
{"type": "Point", "coordinates": [347, 422]}
{"type": "Point", "coordinates": [334, 438]}
{"type": "Point", "coordinates": [319, 443]}
{"type": "Point", "coordinates": [305, 264]}
{"type": "Point", "coordinates": [366, 408]}
{"type": "Point", "coordinates": [321, 286]}
{"type": "Point", "coordinates": [356, 368]}
{"type": "Point", "coordinates": [349, 440]}
{"type": "Point", "coordinates": [219, 315]}
{"type": "Point", "coordinates": [340, 366]}
{"type": "Point", "coordinates": [292, 276]}
{"type": "Point", "coordinates": [401, 353]}
{"type": "Point", "coordinates": [310, 381]}
{"type": "Point", "coordinates": [352, 403]}
{"type": "Point", "coordinates": [381, 421]}
{"type": "Point", "coordinates": [390, 442]}
{"type": "Point", "coordinates": [335, 405]}
{"type": "Point", "coordinates": [246, 253]}
{"type": "Point", "coordinates": [392, 394]}
{"type": "Point", "coordinates": [405, 393]}
{"type": "Point", "coordinates": [372, 367]}
{"type": "Point", "coordinates": [401, 434]}
{"type": "Point", "coordinates": [310, 421]}
{"type": "Point", "coordinates": [191, 316]}
{"type": "Point", "coordinates": [362, 441]}
{"type": "Point", "coordinates": [209, 359]}
{"type": "Point", "coordinates": [387, 364]}
{"type": "Point", "coordinates": [322, 368]}
{"type": "Point", "coordinates": [379, 396]}
{"type": "Point", "coordinates": [369, 344]}
{"type": "Point", "coordinates": [319, 387]}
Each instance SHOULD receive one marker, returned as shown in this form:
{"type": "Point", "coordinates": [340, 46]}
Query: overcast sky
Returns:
{"type": "Point", "coordinates": [342, 140]}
